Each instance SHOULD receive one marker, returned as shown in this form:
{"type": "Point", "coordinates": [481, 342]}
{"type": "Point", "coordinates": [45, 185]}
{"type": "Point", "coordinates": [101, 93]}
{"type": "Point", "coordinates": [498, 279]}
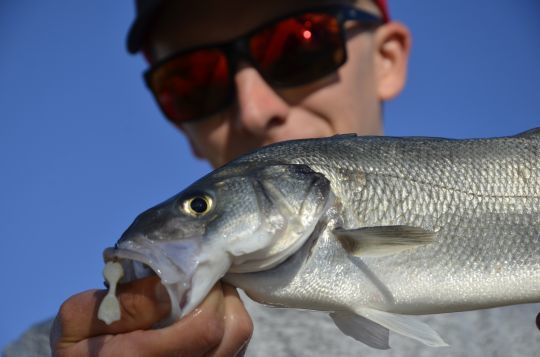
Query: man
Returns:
{"type": "Point", "coordinates": [226, 110]}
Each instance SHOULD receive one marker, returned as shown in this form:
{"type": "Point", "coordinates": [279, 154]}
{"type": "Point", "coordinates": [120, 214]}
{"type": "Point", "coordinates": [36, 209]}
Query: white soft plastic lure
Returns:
{"type": "Point", "coordinates": [109, 309]}
{"type": "Point", "coordinates": [370, 229]}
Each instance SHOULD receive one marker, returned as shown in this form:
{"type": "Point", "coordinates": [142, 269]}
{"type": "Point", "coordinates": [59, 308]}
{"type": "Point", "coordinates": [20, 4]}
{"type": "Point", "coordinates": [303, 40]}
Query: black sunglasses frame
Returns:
{"type": "Point", "coordinates": [238, 48]}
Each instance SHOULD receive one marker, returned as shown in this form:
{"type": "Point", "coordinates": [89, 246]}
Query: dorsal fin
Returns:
{"type": "Point", "coordinates": [345, 136]}
{"type": "Point", "coordinates": [530, 134]}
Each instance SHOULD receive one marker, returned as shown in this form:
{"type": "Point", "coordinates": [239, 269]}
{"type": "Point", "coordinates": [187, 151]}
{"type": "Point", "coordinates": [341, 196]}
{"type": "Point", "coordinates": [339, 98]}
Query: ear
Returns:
{"type": "Point", "coordinates": [393, 42]}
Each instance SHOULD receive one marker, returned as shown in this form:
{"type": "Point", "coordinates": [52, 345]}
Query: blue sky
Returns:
{"type": "Point", "coordinates": [83, 149]}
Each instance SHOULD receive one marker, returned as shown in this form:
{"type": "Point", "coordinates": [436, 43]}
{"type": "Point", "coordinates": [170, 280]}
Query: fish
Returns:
{"type": "Point", "coordinates": [373, 230]}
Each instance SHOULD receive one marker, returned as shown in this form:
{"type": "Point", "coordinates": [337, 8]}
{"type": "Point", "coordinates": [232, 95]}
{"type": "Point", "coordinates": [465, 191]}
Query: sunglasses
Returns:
{"type": "Point", "coordinates": [290, 51]}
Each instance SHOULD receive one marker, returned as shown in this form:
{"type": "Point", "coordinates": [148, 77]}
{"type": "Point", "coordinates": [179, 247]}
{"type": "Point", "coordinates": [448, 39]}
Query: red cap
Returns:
{"type": "Point", "coordinates": [383, 6]}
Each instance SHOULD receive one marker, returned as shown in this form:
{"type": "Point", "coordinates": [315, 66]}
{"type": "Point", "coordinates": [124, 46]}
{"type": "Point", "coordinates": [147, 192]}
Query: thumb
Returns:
{"type": "Point", "coordinates": [143, 303]}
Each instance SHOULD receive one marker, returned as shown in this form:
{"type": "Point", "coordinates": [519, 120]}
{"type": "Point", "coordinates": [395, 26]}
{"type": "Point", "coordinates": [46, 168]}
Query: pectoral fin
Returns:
{"type": "Point", "coordinates": [362, 329]}
{"type": "Point", "coordinates": [404, 325]}
{"type": "Point", "coordinates": [383, 240]}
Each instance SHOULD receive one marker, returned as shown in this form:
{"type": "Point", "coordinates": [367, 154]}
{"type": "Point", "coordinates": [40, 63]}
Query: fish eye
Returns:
{"type": "Point", "coordinates": [198, 205]}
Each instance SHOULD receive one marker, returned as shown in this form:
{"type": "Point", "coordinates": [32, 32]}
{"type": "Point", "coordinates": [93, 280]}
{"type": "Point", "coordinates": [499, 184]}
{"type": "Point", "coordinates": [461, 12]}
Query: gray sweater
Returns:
{"type": "Point", "coordinates": [505, 332]}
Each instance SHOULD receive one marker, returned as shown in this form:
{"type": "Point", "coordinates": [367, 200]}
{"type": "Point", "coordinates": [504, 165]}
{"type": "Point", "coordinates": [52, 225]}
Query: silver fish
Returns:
{"type": "Point", "coordinates": [371, 229]}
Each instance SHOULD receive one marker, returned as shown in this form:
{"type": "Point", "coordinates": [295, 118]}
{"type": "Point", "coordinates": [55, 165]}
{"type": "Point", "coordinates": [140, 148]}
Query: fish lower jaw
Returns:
{"type": "Point", "coordinates": [178, 295]}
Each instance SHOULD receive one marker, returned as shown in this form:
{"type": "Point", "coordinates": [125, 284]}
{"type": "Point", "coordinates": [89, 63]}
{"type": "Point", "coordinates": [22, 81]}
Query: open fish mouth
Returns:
{"type": "Point", "coordinates": [141, 258]}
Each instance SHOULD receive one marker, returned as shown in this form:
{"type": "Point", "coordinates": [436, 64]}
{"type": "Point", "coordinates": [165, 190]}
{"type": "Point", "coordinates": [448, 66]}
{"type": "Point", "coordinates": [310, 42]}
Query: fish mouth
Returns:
{"type": "Point", "coordinates": [140, 258]}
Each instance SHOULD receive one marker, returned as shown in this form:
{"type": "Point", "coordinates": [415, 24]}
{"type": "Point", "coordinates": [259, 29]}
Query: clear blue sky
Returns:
{"type": "Point", "coordinates": [83, 149]}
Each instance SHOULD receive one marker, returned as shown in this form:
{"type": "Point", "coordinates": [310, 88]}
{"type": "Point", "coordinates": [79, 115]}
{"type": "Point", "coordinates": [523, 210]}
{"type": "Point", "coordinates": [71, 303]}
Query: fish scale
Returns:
{"type": "Point", "coordinates": [444, 163]}
{"type": "Point", "coordinates": [483, 197]}
{"type": "Point", "coordinates": [370, 229]}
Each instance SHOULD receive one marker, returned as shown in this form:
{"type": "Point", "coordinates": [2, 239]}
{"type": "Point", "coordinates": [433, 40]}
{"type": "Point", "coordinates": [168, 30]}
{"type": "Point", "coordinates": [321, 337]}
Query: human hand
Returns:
{"type": "Point", "coordinates": [220, 326]}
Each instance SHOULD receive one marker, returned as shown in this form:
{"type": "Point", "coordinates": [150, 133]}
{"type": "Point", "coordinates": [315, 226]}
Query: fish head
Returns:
{"type": "Point", "coordinates": [240, 218]}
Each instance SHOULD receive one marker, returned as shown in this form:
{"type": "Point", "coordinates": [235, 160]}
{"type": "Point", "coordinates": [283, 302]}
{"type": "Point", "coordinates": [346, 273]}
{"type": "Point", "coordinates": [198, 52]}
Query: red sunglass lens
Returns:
{"type": "Point", "coordinates": [192, 85]}
{"type": "Point", "coordinates": [299, 49]}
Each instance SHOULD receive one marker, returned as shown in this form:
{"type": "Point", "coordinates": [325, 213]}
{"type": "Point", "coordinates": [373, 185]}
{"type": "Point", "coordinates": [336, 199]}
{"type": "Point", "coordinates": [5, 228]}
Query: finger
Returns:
{"type": "Point", "coordinates": [143, 303]}
{"type": "Point", "coordinates": [195, 335]}
{"type": "Point", "coordinates": [538, 321]}
{"type": "Point", "coordinates": [238, 325]}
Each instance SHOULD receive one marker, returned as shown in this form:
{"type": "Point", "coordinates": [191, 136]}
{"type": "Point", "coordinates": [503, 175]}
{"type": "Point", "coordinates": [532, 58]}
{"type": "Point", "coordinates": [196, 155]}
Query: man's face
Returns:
{"type": "Point", "coordinates": [346, 101]}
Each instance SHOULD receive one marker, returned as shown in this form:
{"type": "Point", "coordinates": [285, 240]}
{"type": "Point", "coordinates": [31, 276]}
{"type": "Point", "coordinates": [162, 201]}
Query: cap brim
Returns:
{"type": "Point", "coordinates": [146, 15]}
{"type": "Point", "coordinates": [139, 28]}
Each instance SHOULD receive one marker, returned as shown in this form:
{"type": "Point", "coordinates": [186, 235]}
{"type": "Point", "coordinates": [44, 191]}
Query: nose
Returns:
{"type": "Point", "coordinates": [259, 107]}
